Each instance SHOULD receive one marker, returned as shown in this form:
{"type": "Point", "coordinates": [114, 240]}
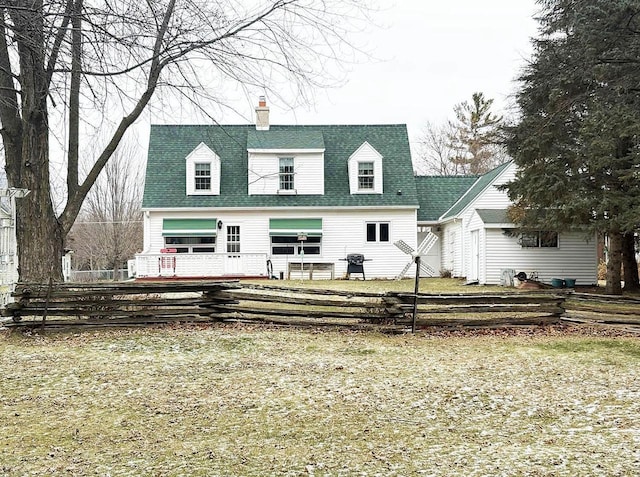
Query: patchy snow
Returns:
{"type": "Point", "coordinates": [253, 401]}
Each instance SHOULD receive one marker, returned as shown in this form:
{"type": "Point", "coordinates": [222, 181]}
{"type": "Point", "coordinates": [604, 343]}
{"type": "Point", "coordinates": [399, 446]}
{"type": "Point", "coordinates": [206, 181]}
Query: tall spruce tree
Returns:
{"type": "Point", "coordinates": [577, 143]}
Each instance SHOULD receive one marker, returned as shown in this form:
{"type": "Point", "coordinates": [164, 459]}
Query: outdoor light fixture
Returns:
{"type": "Point", "coordinates": [219, 224]}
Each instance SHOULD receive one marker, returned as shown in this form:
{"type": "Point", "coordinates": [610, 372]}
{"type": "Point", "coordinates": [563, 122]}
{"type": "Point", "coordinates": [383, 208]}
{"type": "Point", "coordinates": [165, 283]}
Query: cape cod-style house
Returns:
{"type": "Point", "coordinates": [296, 201]}
{"type": "Point", "coordinates": [272, 200]}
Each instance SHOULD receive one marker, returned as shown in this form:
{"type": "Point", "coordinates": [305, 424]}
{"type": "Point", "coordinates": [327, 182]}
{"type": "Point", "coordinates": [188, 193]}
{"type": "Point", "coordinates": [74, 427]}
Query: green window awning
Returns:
{"type": "Point", "coordinates": [192, 227]}
{"type": "Point", "coordinates": [285, 227]}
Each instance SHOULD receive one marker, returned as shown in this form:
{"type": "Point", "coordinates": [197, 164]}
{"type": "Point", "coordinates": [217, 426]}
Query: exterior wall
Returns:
{"type": "Point", "coordinates": [492, 198]}
{"type": "Point", "coordinates": [575, 257]}
{"type": "Point", "coordinates": [344, 232]}
{"type": "Point", "coordinates": [451, 247]}
{"type": "Point", "coordinates": [264, 178]}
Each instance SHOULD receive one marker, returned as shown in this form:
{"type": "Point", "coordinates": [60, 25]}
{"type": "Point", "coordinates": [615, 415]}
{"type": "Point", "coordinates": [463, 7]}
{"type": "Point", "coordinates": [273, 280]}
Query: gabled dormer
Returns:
{"type": "Point", "coordinates": [365, 171]}
{"type": "Point", "coordinates": [285, 161]}
{"type": "Point", "coordinates": [203, 171]}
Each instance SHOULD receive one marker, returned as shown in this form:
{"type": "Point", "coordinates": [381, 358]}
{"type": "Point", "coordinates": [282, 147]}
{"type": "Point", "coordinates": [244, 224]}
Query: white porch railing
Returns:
{"type": "Point", "coordinates": [152, 265]}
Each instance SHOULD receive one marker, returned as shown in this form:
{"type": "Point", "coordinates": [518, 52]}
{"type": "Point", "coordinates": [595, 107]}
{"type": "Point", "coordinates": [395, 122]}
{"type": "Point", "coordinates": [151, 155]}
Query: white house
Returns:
{"type": "Point", "coordinates": [295, 201]}
{"type": "Point", "coordinates": [272, 200]}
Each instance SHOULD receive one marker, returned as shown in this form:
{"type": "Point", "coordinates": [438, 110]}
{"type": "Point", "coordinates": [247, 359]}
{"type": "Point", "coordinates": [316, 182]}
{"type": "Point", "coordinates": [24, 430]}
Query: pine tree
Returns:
{"type": "Point", "coordinates": [475, 136]}
{"type": "Point", "coordinates": [577, 143]}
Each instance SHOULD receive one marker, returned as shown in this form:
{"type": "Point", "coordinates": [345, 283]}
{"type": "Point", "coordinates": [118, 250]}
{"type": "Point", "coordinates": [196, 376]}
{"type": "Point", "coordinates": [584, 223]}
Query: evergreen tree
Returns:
{"type": "Point", "coordinates": [577, 143]}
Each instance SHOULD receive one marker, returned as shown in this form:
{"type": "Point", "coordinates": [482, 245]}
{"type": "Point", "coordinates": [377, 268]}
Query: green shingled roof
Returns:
{"type": "Point", "coordinates": [493, 216]}
{"type": "Point", "coordinates": [285, 139]}
{"type": "Point", "coordinates": [169, 145]}
{"type": "Point", "coordinates": [480, 185]}
{"type": "Point", "coordinates": [438, 193]}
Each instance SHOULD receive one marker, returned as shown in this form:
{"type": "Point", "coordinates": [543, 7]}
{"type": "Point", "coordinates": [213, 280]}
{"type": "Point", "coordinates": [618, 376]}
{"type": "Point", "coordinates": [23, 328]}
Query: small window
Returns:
{"type": "Point", "coordinates": [377, 232]}
{"type": "Point", "coordinates": [365, 176]}
{"type": "Point", "coordinates": [286, 173]}
{"type": "Point", "coordinates": [541, 239]}
{"type": "Point", "coordinates": [203, 175]}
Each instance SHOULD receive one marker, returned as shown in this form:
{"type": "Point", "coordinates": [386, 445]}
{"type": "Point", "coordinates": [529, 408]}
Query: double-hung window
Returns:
{"type": "Point", "coordinates": [377, 231]}
{"type": "Point", "coordinates": [286, 173]}
{"type": "Point", "coordinates": [202, 176]}
{"type": "Point", "coordinates": [365, 176]}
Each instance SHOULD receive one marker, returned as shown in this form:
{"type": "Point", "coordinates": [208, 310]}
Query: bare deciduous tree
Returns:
{"type": "Point", "coordinates": [109, 227]}
{"type": "Point", "coordinates": [84, 62]}
{"type": "Point", "coordinates": [435, 152]}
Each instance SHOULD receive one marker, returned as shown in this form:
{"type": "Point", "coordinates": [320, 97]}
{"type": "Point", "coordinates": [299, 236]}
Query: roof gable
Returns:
{"type": "Point", "coordinates": [480, 185]}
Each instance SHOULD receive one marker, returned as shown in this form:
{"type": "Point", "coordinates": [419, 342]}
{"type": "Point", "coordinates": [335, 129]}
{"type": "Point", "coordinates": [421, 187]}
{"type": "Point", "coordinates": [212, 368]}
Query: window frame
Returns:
{"type": "Point", "coordinates": [202, 177]}
{"type": "Point", "coordinates": [191, 243]}
{"type": "Point", "coordinates": [286, 177]}
{"type": "Point", "coordinates": [378, 232]}
{"type": "Point", "coordinates": [368, 176]}
{"type": "Point", "coordinates": [291, 242]}
{"type": "Point", "coordinates": [537, 239]}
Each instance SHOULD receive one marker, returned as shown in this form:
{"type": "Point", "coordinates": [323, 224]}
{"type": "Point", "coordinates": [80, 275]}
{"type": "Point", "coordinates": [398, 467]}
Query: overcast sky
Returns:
{"type": "Point", "coordinates": [434, 54]}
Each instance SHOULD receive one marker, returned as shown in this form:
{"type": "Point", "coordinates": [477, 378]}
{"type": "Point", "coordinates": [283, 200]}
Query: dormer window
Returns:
{"type": "Point", "coordinates": [365, 176]}
{"type": "Point", "coordinates": [203, 176]}
{"type": "Point", "coordinates": [286, 174]}
{"type": "Point", "coordinates": [202, 171]}
{"type": "Point", "coordinates": [365, 170]}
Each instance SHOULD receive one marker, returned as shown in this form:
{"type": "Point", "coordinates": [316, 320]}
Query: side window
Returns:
{"type": "Point", "coordinates": [540, 239]}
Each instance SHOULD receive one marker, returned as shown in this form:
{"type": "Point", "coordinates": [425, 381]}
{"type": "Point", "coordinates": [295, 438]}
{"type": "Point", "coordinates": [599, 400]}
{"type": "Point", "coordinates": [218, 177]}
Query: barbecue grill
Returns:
{"type": "Point", "coordinates": [355, 264]}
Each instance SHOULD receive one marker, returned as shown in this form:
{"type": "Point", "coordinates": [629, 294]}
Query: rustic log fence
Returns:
{"type": "Point", "coordinates": [139, 303]}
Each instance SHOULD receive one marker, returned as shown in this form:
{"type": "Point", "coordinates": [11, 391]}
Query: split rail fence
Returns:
{"type": "Point", "coordinates": [140, 303]}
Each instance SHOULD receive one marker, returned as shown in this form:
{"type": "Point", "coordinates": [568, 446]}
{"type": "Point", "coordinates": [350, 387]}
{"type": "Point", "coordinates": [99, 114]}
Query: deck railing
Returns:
{"type": "Point", "coordinates": [152, 265]}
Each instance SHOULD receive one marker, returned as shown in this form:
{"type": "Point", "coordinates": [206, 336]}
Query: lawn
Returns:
{"type": "Point", "coordinates": [253, 401]}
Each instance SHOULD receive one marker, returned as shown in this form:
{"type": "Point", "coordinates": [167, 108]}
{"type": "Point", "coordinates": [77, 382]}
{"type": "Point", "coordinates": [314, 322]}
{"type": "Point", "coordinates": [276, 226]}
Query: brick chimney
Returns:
{"type": "Point", "coordinates": [262, 115]}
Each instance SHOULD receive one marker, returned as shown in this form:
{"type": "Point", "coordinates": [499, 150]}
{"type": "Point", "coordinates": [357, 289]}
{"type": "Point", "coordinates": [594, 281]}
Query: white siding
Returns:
{"type": "Point", "coordinates": [452, 248]}
{"type": "Point", "coordinates": [344, 232]}
{"type": "Point", "coordinates": [492, 198]}
{"type": "Point", "coordinates": [264, 178]}
{"type": "Point", "coordinates": [576, 257]}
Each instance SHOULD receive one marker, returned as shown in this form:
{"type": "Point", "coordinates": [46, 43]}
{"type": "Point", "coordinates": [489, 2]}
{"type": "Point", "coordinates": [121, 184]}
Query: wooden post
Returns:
{"type": "Point", "coordinates": [415, 295]}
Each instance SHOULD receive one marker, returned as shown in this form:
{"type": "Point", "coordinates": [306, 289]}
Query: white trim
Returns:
{"type": "Point", "coordinates": [296, 208]}
{"type": "Point", "coordinates": [285, 151]}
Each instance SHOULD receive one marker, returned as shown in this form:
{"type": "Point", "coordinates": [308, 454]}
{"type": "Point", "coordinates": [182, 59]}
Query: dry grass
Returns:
{"type": "Point", "coordinates": [427, 285]}
{"type": "Point", "coordinates": [225, 400]}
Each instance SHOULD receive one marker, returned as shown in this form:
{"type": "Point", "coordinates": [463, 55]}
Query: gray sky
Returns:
{"type": "Point", "coordinates": [434, 54]}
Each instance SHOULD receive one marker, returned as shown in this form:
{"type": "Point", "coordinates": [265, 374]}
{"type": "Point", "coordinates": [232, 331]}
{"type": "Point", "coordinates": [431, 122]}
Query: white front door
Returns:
{"type": "Point", "coordinates": [233, 260]}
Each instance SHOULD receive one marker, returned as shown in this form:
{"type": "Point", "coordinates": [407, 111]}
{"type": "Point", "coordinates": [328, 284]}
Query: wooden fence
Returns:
{"type": "Point", "coordinates": [135, 303]}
